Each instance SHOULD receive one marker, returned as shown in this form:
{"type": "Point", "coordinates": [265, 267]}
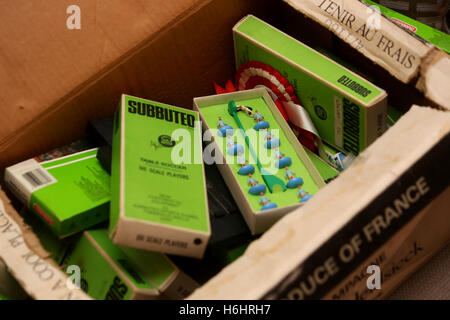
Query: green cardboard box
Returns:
{"type": "Point", "coordinates": [348, 111]}
{"type": "Point", "coordinates": [438, 38]}
{"type": "Point", "coordinates": [110, 272]}
{"type": "Point", "coordinates": [251, 205]}
{"type": "Point", "coordinates": [69, 193]}
{"type": "Point", "coordinates": [3, 298]}
{"type": "Point", "coordinates": [158, 184]}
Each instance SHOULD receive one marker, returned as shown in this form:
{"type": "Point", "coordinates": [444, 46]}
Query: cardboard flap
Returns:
{"type": "Point", "coordinates": [45, 62]}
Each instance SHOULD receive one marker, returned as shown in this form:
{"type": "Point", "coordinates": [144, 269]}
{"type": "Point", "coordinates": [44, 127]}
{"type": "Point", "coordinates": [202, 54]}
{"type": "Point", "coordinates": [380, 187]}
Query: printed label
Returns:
{"type": "Point", "coordinates": [27, 177]}
{"type": "Point", "coordinates": [376, 224]}
{"type": "Point", "coordinates": [375, 36]}
{"type": "Point", "coordinates": [42, 280]}
{"type": "Point", "coordinates": [338, 120]}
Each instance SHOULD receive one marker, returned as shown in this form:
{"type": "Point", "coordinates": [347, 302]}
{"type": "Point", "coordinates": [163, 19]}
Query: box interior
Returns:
{"type": "Point", "coordinates": [177, 64]}
{"type": "Point", "coordinates": [282, 199]}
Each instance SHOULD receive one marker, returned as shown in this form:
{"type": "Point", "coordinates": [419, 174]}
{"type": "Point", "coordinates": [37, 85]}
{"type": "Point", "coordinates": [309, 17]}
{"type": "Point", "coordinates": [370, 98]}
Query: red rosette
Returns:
{"type": "Point", "coordinates": [272, 79]}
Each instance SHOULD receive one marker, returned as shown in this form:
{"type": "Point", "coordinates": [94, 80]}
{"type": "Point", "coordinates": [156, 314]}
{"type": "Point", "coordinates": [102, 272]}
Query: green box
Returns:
{"type": "Point", "coordinates": [348, 111]}
{"type": "Point", "coordinates": [110, 272]}
{"type": "Point", "coordinates": [158, 183]}
{"type": "Point", "coordinates": [257, 218]}
{"type": "Point", "coordinates": [69, 194]}
{"type": "Point", "coordinates": [438, 38]}
{"type": "Point", "coordinates": [3, 298]}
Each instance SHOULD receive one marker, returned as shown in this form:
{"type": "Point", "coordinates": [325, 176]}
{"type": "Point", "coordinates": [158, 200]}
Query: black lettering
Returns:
{"type": "Point", "coordinates": [159, 113]}
{"type": "Point", "coordinates": [177, 113]}
{"type": "Point", "coordinates": [191, 120]}
{"type": "Point", "coordinates": [168, 115]}
{"type": "Point", "coordinates": [183, 119]}
{"type": "Point", "coordinates": [151, 111]}
{"type": "Point", "coordinates": [410, 62]}
{"type": "Point", "coordinates": [320, 6]}
{"type": "Point", "coordinates": [141, 109]}
{"type": "Point", "coordinates": [131, 106]}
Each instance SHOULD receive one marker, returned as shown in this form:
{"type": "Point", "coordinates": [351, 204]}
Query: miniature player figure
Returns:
{"type": "Point", "coordinates": [289, 174]}
{"type": "Point", "coordinates": [302, 192]}
{"type": "Point", "coordinates": [268, 135]}
{"type": "Point", "coordinates": [258, 116]}
{"type": "Point", "coordinates": [251, 181]}
{"type": "Point", "coordinates": [230, 141]}
{"type": "Point", "coordinates": [278, 154]}
{"type": "Point", "coordinates": [263, 199]}
{"type": "Point", "coordinates": [221, 123]}
{"type": "Point", "coordinates": [303, 195]}
{"type": "Point", "coordinates": [241, 159]}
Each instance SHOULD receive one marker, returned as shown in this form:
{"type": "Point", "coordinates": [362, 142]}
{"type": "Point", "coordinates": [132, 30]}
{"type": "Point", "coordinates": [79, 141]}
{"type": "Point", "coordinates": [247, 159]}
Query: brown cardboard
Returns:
{"type": "Point", "coordinates": [28, 262]}
{"type": "Point", "coordinates": [170, 51]}
{"type": "Point", "coordinates": [310, 243]}
{"type": "Point", "coordinates": [405, 86]}
{"type": "Point", "coordinates": [53, 80]}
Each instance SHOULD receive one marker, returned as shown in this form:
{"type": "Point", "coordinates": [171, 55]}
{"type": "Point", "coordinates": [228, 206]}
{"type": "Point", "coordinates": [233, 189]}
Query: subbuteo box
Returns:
{"type": "Point", "coordinates": [158, 184]}
{"type": "Point", "coordinates": [174, 51]}
{"type": "Point", "coordinates": [110, 272]}
{"type": "Point", "coordinates": [69, 191]}
{"type": "Point", "coordinates": [348, 111]}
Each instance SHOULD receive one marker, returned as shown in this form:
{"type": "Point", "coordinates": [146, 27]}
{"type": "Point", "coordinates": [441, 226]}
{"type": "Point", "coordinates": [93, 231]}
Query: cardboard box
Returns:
{"type": "Point", "coordinates": [159, 200]}
{"type": "Point", "coordinates": [411, 70]}
{"type": "Point", "coordinates": [110, 272]}
{"type": "Point", "coordinates": [28, 262]}
{"type": "Point", "coordinates": [258, 220]}
{"type": "Point", "coordinates": [388, 224]}
{"type": "Point", "coordinates": [47, 99]}
{"type": "Point", "coordinates": [432, 35]}
{"type": "Point", "coordinates": [348, 111]}
{"type": "Point", "coordinates": [70, 193]}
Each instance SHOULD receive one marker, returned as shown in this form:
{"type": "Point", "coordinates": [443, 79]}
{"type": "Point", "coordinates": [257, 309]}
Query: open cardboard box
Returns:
{"type": "Point", "coordinates": [54, 80]}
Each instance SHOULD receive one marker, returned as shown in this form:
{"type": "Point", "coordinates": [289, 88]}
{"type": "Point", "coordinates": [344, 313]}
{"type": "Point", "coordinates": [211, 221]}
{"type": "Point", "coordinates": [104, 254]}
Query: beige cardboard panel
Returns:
{"type": "Point", "coordinates": [350, 20]}
{"type": "Point", "coordinates": [414, 245]}
{"type": "Point", "coordinates": [27, 260]}
{"type": "Point", "coordinates": [295, 237]}
{"type": "Point", "coordinates": [177, 64]}
{"type": "Point", "coordinates": [434, 80]}
{"type": "Point", "coordinates": [400, 95]}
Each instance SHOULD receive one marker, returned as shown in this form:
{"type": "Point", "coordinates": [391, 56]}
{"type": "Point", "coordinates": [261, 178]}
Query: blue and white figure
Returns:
{"type": "Point", "coordinates": [338, 160]}
{"type": "Point", "coordinates": [246, 168]}
{"type": "Point", "coordinates": [272, 143]}
{"type": "Point", "coordinates": [258, 116]}
{"type": "Point", "coordinates": [224, 129]}
{"type": "Point", "coordinates": [266, 204]}
{"type": "Point", "coordinates": [282, 161]}
{"type": "Point", "coordinates": [230, 141]}
{"type": "Point", "coordinates": [303, 195]}
{"type": "Point", "coordinates": [260, 123]}
{"type": "Point", "coordinates": [293, 181]}
{"type": "Point", "coordinates": [256, 188]}
{"type": "Point", "coordinates": [278, 153]}
{"type": "Point", "coordinates": [289, 174]}
{"type": "Point", "coordinates": [235, 149]}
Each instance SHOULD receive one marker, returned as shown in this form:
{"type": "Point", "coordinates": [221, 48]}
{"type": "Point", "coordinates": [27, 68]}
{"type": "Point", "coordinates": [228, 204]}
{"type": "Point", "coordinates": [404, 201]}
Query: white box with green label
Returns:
{"type": "Point", "coordinates": [69, 193]}
{"type": "Point", "coordinates": [158, 186]}
{"type": "Point", "coordinates": [348, 111]}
